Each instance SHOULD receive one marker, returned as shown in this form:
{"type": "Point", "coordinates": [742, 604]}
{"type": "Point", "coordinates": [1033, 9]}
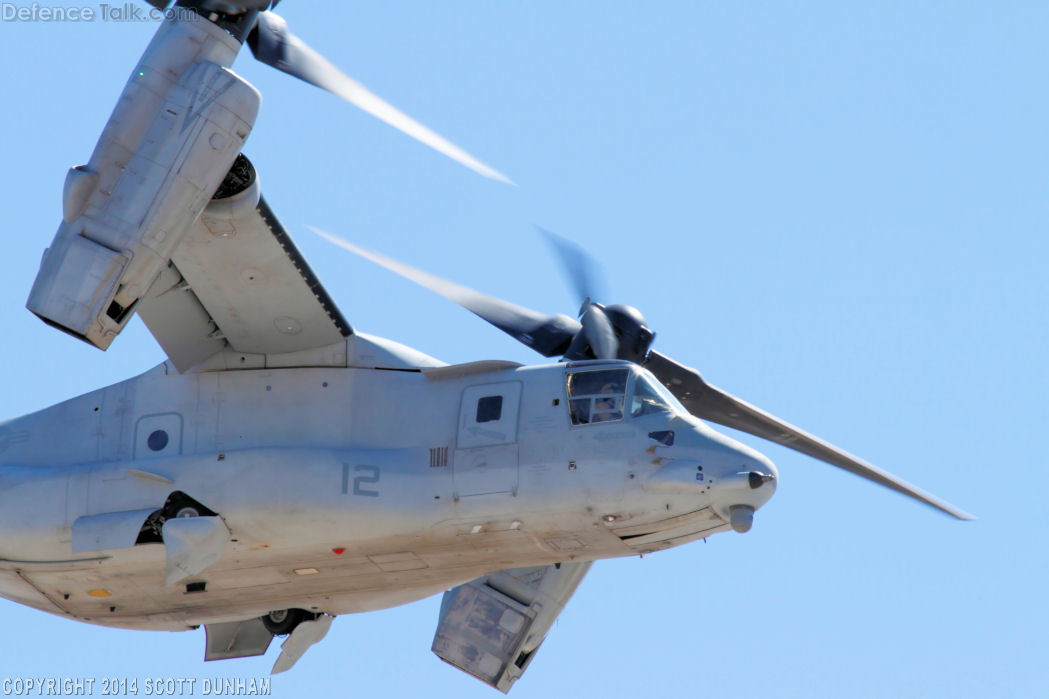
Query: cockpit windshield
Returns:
{"type": "Point", "coordinates": [648, 398]}
{"type": "Point", "coordinates": [597, 396]}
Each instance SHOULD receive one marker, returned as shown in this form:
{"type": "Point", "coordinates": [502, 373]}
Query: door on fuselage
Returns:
{"type": "Point", "coordinates": [485, 458]}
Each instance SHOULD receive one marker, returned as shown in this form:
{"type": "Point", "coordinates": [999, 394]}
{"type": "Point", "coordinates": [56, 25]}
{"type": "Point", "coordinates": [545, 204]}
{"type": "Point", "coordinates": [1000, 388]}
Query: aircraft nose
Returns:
{"type": "Point", "coordinates": [737, 480]}
{"type": "Point", "coordinates": [740, 491]}
{"type": "Point", "coordinates": [762, 471]}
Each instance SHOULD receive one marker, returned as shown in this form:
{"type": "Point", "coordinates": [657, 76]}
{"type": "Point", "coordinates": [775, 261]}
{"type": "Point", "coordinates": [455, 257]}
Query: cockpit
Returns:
{"type": "Point", "coordinates": [604, 394]}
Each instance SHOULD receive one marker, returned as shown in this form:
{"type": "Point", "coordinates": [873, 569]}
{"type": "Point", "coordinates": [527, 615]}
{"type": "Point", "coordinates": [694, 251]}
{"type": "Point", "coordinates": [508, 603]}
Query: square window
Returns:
{"type": "Point", "coordinates": [489, 408]}
{"type": "Point", "coordinates": [580, 410]}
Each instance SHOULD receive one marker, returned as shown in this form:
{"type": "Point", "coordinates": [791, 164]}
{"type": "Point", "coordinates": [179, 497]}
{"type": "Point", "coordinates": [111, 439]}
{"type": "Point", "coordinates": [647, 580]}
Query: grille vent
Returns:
{"type": "Point", "coordinates": [438, 457]}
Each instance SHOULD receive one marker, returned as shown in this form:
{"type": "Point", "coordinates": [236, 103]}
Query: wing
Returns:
{"type": "Point", "coordinates": [491, 627]}
{"type": "Point", "coordinates": [238, 282]}
{"type": "Point", "coordinates": [222, 280]}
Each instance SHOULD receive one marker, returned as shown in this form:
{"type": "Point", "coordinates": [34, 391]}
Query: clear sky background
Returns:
{"type": "Point", "coordinates": [836, 212]}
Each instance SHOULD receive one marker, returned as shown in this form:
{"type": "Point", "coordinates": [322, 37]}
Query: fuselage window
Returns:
{"type": "Point", "coordinates": [597, 396]}
{"type": "Point", "coordinates": [489, 409]}
{"type": "Point", "coordinates": [647, 398]}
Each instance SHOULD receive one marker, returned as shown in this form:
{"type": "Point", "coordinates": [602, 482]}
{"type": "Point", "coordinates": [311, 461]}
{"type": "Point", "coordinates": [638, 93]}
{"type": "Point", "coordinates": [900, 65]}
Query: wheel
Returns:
{"type": "Point", "coordinates": [282, 621]}
{"type": "Point", "coordinates": [187, 511]}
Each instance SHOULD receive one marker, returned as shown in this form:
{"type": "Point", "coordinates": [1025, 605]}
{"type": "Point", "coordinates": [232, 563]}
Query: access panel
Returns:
{"type": "Point", "coordinates": [485, 459]}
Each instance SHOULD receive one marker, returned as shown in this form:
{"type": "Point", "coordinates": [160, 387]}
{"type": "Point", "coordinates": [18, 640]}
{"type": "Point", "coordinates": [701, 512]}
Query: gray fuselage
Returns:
{"type": "Point", "coordinates": [344, 490]}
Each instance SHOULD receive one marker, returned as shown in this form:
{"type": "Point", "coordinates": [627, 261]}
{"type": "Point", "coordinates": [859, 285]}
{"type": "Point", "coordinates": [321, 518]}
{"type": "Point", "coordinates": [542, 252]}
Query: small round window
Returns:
{"type": "Point", "coordinates": [157, 440]}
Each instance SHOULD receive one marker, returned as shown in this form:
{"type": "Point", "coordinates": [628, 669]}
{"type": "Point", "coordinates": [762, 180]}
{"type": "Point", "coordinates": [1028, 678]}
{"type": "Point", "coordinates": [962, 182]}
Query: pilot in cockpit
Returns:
{"type": "Point", "coordinates": [605, 405]}
{"type": "Point", "coordinates": [597, 395]}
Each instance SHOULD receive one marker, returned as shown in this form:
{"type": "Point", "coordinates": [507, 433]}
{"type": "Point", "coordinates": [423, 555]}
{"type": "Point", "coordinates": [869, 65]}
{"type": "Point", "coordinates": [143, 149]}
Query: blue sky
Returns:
{"type": "Point", "coordinates": [835, 212]}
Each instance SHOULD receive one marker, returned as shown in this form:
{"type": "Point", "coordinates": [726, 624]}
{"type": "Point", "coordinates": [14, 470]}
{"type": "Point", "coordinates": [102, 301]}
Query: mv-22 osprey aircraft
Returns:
{"type": "Point", "coordinates": [280, 468]}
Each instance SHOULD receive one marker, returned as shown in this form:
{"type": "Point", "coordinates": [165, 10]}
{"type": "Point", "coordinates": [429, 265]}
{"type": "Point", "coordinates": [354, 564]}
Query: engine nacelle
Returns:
{"type": "Point", "coordinates": [180, 122]}
{"type": "Point", "coordinates": [491, 627]}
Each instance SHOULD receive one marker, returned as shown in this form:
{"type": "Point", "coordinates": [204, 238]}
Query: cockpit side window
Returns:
{"type": "Point", "coordinates": [597, 396]}
{"type": "Point", "coordinates": [647, 398]}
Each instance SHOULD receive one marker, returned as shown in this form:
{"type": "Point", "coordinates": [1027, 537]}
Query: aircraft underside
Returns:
{"type": "Point", "coordinates": [127, 588]}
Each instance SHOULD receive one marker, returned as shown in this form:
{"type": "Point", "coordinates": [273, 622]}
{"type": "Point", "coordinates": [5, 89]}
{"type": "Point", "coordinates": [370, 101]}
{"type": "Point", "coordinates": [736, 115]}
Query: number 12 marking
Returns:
{"type": "Point", "coordinates": [372, 477]}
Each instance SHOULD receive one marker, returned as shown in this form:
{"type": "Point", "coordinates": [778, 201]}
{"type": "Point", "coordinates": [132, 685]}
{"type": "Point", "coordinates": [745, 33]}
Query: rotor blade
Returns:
{"type": "Point", "coordinates": [272, 43]}
{"type": "Point", "coordinates": [548, 335]}
{"type": "Point", "coordinates": [711, 403]}
{"type": "Point", "coordinates": [599, 332]}
{"type": "Point", "coordinates": [580, 268]}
